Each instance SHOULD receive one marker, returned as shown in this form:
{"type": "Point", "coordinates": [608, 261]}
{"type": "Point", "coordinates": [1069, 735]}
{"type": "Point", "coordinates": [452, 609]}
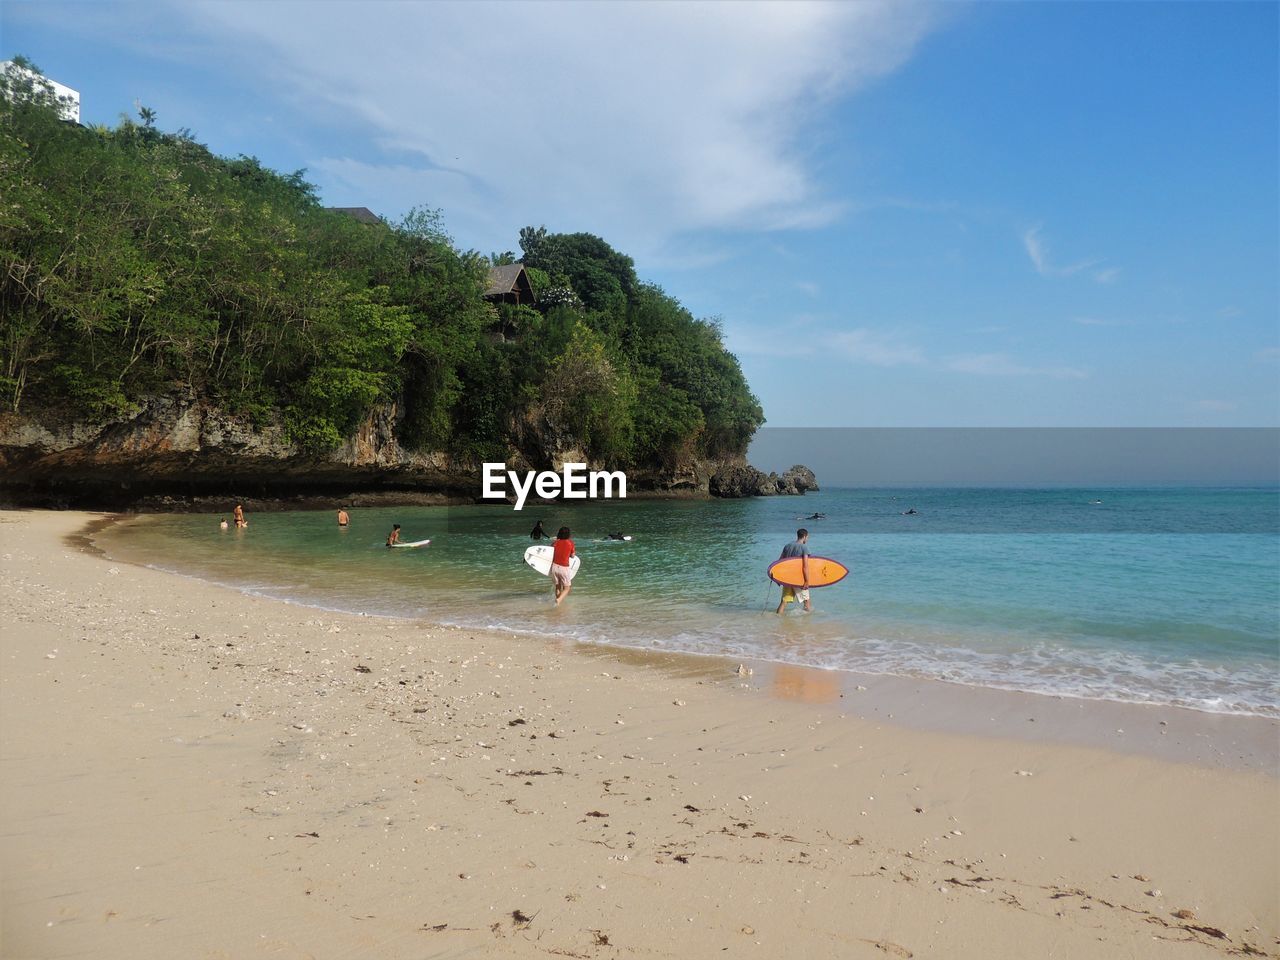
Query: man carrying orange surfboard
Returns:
{"type": "Point", "coordinates": [800, 548]}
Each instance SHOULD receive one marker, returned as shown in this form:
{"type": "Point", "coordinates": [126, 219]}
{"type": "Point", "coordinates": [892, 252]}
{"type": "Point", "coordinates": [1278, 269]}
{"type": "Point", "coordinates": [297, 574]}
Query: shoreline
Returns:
{"type": "Point", "coordinates": [319, 502]}
{"type": "Point", "coordinates": [194, 771]}
{"type": "Point", "coordinates": [1163, 730]}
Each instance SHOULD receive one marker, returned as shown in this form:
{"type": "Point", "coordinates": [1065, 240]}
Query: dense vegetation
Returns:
{"type": "Point", "coordinates": [135, 263]}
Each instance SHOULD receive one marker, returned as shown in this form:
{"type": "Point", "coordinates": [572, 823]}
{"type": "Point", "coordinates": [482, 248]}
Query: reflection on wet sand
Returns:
{"type": "Point", "coordinates": [805, 684]}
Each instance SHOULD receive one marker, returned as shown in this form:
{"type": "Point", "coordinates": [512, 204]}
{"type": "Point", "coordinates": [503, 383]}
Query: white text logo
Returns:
{"type": "Point", "coordinates": [574, 482]}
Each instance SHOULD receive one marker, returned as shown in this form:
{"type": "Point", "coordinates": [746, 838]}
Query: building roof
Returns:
{"type": "Point", "coordinates": [503, 279]}
{"type": "Point", "coordinates": [363, 214]}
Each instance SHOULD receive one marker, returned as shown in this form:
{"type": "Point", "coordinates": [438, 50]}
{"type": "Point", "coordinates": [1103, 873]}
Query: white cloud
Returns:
{"type": "Point", "coordinates": [1002, 365]}
{"type": "Point", "coordinates": [1038, 251]}
{"type": "Point", "coordinates": [806, 287]}
{"type": "Point", "coordinates": [798, 337]}
{"type": "Point", "coordinates": [743, 341]}
{"type": "Point", "coordinates": [876, 348]}
{"type": "Point", "coordinates": [639, 121]}
{"type": "Point", "coordinates": [809, 320]}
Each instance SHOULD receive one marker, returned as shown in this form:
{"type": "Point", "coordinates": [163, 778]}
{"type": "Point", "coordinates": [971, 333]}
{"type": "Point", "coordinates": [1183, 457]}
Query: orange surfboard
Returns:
{"type": "Point", "coordinates": [823, 571]}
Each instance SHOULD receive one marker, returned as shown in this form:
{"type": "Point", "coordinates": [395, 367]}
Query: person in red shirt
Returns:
{"type": "Point", "coordinates": [561, 554]}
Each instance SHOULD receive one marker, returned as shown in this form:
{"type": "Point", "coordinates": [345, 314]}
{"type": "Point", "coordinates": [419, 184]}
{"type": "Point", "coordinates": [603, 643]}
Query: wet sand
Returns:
{"type": "Point", "coordinates": [187, 771]}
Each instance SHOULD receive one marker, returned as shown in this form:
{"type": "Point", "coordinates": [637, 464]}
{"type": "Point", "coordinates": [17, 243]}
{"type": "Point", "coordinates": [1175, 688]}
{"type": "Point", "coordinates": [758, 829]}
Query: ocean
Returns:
{"type": "Point", "coordinates": [1168, 596]}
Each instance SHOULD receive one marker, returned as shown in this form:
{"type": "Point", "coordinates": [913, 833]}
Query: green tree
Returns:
{"type": "Point", "coordinates": [135, 263]}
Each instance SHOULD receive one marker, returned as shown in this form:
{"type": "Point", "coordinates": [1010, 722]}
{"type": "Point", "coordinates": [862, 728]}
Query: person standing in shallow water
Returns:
{"type": "Point", "coordinates": [343, 518]}
{"type": "Point", "coordinates": [238, 513]}
{"type": "Point", "coordinates": [537, 533]}
{"type": "Point", "coordinates": [561, 554]}
{"type": "Point", "coordinates": [799, 548]}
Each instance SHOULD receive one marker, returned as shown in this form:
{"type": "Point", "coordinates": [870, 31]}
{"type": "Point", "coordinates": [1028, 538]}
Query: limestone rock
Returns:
{"type": "Point", "coordinates": [802, 478]}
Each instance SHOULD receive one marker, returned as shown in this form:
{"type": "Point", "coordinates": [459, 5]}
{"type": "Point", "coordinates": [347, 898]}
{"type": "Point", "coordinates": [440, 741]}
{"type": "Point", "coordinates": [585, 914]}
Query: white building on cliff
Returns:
{"type": "Point", "coordinates": [70, 99]}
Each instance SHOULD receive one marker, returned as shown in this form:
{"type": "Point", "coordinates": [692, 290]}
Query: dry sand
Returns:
{"type": "Point", "coordinates": [192, 773]}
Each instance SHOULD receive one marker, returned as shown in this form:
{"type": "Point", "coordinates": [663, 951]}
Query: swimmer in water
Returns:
{"type": "Point", "coordinates": [343, 519]}
{"type": "Point", "coordinates": [537, 533]}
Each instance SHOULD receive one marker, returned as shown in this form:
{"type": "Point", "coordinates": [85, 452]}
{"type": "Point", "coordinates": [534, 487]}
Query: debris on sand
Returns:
{"type": "Point", "coordinates": [1207, 931]}
{"type": "Point", "coordinates": [892, 949]}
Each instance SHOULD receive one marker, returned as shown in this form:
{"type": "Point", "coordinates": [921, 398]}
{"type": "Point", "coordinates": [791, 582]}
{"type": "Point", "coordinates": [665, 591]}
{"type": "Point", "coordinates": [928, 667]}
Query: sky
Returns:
{"type": "Point", "coordinates": [1028, 456]}
{"type": "Point", "coordinates": [904, 215]}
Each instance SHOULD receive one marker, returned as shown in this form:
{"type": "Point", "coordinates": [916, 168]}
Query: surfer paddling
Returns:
{"type": "Point", "coordinates": [394, 536]}
{"type": "Point", "coordinates": [799, 548]}
{"type": "Point", "coordinates": [561, 554]}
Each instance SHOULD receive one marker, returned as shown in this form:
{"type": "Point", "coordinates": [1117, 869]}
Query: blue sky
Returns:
{"type": "Point", "coordinates": [1032, 214]}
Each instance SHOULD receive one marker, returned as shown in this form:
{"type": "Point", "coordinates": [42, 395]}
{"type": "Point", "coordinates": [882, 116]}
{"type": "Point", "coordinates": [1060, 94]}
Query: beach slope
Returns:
{"type": "Point", "coordinates": [186, 771]}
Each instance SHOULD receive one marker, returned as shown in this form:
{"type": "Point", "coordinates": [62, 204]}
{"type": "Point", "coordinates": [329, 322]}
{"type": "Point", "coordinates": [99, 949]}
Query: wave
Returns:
{"type": "Point", "coordinates": [1043, 669]}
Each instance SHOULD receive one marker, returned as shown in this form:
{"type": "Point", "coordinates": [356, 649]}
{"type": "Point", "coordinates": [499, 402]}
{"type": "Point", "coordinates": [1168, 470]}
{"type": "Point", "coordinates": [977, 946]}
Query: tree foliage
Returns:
{"type": "Point", "coordinates": [136, 263]}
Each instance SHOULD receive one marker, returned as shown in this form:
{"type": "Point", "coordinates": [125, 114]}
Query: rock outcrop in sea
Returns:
{"type": "Point", "coordinates": [744, 480]}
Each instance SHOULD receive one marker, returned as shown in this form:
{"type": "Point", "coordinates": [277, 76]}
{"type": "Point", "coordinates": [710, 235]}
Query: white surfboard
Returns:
{"type": "Point", "coordinates": [415, 543]}
{"type": "Point", "coordinates": [539, 558]}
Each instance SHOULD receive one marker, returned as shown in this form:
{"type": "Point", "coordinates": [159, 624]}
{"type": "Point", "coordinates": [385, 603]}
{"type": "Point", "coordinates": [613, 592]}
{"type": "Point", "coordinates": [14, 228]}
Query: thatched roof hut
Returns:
{"type": "Point", "coordinates": [509, 284]}
{"type": "Point", "coordinates": [363, 214]}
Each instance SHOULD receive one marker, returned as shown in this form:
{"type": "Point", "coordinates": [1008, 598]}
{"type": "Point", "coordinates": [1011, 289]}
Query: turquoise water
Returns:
{"type": "Point", "coordinates": [1161, 596]}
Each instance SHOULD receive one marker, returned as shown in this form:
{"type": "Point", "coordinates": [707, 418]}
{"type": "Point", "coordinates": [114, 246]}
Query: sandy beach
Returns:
{"type": "Point", "coordinates": [186, 771]}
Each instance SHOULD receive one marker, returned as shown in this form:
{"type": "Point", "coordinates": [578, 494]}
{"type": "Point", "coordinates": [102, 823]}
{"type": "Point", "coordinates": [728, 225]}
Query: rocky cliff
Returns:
{"type": "Point", "coordinates": [171, 450]}
{"type": "Point", "coordinates": [744, 480]}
